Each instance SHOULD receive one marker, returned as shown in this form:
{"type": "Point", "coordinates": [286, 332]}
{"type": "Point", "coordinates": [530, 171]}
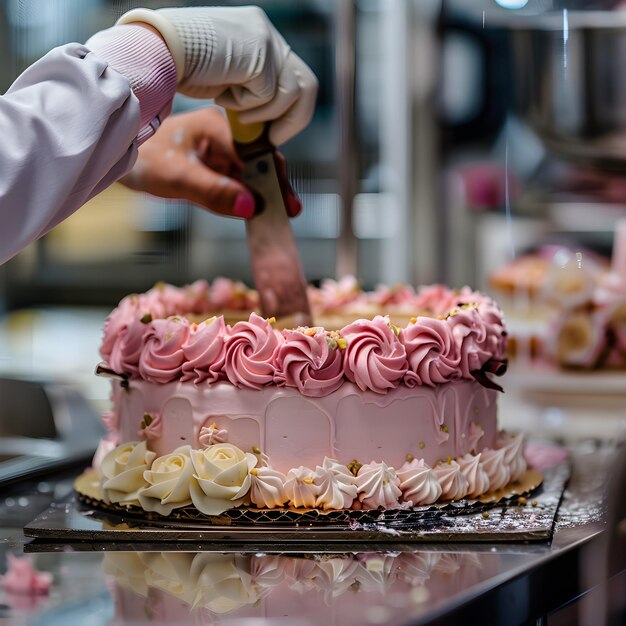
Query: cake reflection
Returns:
{"type": "Point", "coordinates": [209, 588]}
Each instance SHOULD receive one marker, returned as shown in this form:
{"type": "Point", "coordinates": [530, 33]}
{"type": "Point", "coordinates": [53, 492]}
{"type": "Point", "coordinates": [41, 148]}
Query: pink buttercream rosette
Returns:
{"type": "Point", "coordinates": [205, 351]}
{"type": "Point", "coordinates": [431, 352]}
{"type": "Point", "coordinates": [438, 299]}
{"type": "Point", "coordinates": [197, 297]}
{"type": "Point", "coordinates": [375, 359]}
{"type": "Point", "coordinates": [468, 342]}
{"type": "Point", "coordinates": [162, 357]}
{"type": "Point", "coordinates": [126, 352]}
{"type": "Point", "coordinates": [477, 340]}
{"type": "Point", "coordinates": [164, 300]}
{"type": "Point", "coordinates": [398, 297]}
{"type": "Point", "coordinates": [335, 295]}
{"type": "Point", "coordinates": [117, 322]}
{"type": "Point", "coordinates": [309, 360]}
{"type": "Point", "coordinates": [229, 294]}
{"type": "Point", "coordinates": [250, 358]}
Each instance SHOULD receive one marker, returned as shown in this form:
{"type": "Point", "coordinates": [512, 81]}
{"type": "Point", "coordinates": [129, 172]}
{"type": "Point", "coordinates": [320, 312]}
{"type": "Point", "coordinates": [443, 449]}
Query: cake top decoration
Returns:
{"type": "Point", "coordinates": [205, 334]}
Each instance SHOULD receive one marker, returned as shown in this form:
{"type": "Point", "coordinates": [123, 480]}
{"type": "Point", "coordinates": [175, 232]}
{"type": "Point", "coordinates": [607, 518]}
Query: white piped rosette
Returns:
{"type": "Point", "coordinates": [454, 485]}
{"type": "Point", "coordinates": [418, 483]}
{"type": "Point", "coordinates": [267, 489]}
{"type": "Point", "coordinates": [513, 446]}
{"type": "Point", "coordinates": [378, 486]}
{"type": "Point", "coordinates": [301, 488]}
{"type": "Point", "coordinates": [476, 476]}
{"type": "Point", "coordinates": [336, 484]}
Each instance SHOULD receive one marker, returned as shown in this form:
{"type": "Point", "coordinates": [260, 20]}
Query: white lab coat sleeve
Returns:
{"type": "Point", "coordinates": [68, 129]}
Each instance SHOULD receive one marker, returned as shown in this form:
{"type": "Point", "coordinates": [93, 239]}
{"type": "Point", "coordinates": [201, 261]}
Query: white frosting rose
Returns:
{"type": "Point", "coordinates": [168, 482]}
{"type": "Point", "coordinates": [222, 477]}
{"type": "Point", "coordinates": [122, 471]}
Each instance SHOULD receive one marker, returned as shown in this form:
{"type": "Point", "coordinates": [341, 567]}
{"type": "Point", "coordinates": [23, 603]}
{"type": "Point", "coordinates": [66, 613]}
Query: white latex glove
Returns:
{"type": "Point", "coordinates": [236, 56]}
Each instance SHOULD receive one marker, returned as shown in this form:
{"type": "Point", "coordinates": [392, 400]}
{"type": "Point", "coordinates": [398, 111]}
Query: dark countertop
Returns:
{"type": "Point", "coordinates": [504, 583]}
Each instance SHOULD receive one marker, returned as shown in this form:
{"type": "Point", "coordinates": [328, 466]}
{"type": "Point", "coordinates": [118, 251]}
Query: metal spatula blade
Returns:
{"type": "Point", "coordinates": [276, 267]}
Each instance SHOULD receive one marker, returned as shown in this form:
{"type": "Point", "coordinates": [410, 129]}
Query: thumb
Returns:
{"type": "Point", "coordinates": [217, 192]}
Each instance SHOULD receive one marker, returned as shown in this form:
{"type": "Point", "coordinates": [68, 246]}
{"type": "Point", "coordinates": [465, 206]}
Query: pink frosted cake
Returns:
{"type": "Point", "coordinates": [215, 414]}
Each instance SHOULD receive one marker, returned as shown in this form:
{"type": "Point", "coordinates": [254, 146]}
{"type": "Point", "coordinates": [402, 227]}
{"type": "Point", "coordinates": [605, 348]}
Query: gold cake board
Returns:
{"type": "Point", "coordinates": [84, 521]}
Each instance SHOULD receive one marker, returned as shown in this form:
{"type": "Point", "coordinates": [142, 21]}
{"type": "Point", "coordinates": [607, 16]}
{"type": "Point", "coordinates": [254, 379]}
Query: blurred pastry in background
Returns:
{"type": "Point", "coordinates": [567, 307]}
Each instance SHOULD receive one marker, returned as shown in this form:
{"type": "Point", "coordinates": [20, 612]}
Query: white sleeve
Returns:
{"type": "Point", "coordinates": [68, 129]}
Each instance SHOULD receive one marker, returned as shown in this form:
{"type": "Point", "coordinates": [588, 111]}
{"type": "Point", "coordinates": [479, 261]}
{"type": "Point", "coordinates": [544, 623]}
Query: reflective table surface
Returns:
{"type": "Point", "coordinates": [342, 585]}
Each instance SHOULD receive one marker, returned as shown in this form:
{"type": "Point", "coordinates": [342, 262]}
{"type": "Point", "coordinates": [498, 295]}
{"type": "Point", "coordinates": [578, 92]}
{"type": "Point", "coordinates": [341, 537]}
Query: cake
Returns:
{"type": "Point", "coordinates": [388, 403]}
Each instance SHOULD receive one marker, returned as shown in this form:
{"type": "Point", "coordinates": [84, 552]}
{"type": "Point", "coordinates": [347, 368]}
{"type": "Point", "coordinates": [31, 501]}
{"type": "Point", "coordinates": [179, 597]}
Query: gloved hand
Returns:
{"type": "Point", "coordinates": [236, 56]}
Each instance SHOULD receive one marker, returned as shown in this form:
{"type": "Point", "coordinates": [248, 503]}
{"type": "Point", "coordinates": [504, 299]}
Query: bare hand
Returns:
{"type": "Point", "coordinates": [192, 157]}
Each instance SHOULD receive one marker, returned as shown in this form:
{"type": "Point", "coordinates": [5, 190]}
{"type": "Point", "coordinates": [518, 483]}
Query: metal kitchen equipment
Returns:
{"type": "Point", "coordinates": [276, 266]}
{"type": "Point", "coordinates": [44, 427]}
{"type": "Point", "coordinates": [569, 83]}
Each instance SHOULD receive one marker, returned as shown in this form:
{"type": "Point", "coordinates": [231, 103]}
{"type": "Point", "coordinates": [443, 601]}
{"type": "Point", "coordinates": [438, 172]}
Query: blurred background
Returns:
{"type": "Point", "coordinates": [450, 139]}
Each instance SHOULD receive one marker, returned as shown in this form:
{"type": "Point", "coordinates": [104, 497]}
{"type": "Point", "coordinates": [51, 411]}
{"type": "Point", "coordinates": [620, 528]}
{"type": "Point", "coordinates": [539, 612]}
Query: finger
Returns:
{"type": "Point", "coordinates": [242, 97]}
{"type": "Point", "coordinates": [216, 192]}
{"type": "Point", "coordinates": [287, 92]}
{"type": "Point", "coordinates": [213, 140]}
{"type": "Point", "coordinates": [301, 112]}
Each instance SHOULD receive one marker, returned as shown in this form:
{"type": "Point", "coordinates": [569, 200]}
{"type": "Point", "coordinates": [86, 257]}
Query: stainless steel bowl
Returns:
{"type": "Point", "coordinates": [570, 81]}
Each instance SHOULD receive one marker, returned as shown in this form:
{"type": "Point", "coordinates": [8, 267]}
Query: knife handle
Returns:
{"type": "Point", "coordinates": [251, 140]}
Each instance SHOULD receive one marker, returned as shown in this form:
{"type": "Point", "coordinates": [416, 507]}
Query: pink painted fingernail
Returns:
{"type": "Point", "coordinates": [295, 206]}
{"type": "Point", "coordinates": [244, 205]}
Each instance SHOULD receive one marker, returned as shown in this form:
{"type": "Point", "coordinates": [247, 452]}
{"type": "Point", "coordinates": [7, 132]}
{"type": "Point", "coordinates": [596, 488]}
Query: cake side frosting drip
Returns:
{"type": "Point", "coordinates": [346, 424]}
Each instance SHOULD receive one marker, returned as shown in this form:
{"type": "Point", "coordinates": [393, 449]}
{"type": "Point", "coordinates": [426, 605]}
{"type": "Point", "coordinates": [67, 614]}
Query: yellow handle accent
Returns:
{"type": "Point", "coordinates": [244, 133]}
